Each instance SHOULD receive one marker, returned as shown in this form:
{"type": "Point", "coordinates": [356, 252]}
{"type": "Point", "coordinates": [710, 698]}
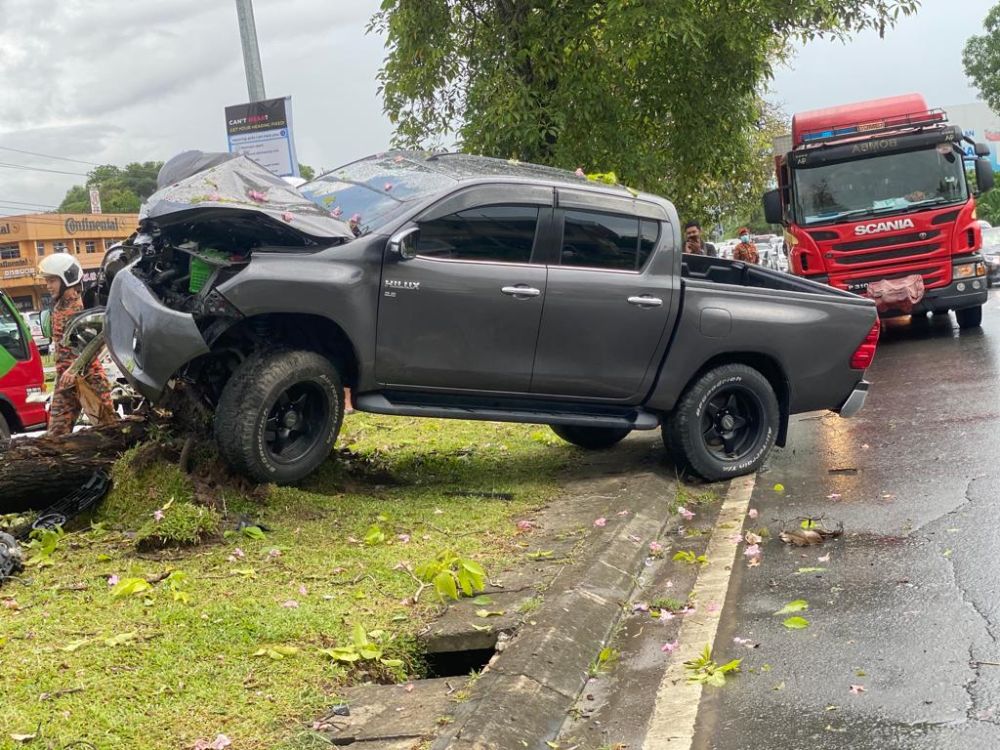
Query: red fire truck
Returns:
{"type": "Point", "coordinates": [877, 194]}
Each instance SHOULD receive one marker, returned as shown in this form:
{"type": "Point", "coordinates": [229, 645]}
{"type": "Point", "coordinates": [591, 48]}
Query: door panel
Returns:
{"type": "Point", "coordinates": [602, 329]}
{"type": "Point", "coordinates": [464, 313]}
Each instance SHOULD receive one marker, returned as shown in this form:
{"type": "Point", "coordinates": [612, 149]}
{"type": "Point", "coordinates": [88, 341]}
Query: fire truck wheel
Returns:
{"type": "Point", "coordinates": [970, 317]}
{"type": "Point", "coordinates": [4, 434]}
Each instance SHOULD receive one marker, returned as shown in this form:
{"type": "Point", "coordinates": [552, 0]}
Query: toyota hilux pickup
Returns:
{"type": "Point", "coordinates": [456, 286]}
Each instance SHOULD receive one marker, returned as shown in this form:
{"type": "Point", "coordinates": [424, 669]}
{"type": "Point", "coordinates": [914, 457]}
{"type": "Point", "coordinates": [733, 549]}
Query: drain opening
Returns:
{"type": "Point", "coordinates": [457, 663]}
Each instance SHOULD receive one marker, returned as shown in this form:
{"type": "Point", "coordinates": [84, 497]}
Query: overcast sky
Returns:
{"type": "Point", "coordinates": [113, 81]}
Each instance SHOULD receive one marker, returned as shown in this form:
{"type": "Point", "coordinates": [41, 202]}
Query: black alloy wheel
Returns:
{"type": "Point", "coordinates": [725, 424]}
{"type": "Point", "coordinates": [731, 422]}
{"type": "Point", "coordinates": [296, 422]}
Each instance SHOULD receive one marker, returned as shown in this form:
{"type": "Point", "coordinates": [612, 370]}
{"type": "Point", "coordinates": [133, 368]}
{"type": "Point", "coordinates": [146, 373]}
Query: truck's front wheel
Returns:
{"type": "Point", "coordinates": [279, 415]}
{"type": "Point", "coordinates": [969, 317]}
{"type": "Point", "coordinates": [591, 438]}
{"type": "Point", "coordinates": [725, 423]}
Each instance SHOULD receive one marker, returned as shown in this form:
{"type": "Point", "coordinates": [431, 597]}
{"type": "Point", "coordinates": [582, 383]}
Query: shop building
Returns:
{"type": "Point", "coordinates": [26, 239]}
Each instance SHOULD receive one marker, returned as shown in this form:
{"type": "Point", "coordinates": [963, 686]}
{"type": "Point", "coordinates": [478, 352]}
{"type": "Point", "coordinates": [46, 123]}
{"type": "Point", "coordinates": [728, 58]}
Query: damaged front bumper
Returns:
{"type": "Point", "coordinates": [147, 340]}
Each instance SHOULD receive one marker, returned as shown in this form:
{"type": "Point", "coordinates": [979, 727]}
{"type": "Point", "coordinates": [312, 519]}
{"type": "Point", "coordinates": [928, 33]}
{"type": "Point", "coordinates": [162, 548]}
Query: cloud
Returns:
{"type": "Point", "coordinates": [110, 81]}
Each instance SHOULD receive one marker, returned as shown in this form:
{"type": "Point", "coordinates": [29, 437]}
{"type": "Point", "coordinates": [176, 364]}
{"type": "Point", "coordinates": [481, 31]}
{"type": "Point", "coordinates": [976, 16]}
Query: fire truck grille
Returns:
{"type": "Point", "coordinates": [896, 239]}
{"type": "Point", "coordinates": [893, 254]}
{"type": "Point", "coordinates": [934, 276]}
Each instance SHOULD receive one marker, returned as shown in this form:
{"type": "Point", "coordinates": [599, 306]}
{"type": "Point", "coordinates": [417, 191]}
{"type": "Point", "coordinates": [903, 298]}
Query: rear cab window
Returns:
{"type": "Point", "coordinates": [607, 241]}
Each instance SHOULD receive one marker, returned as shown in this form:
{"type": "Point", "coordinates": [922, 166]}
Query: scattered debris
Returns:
{"type": "Point", "coordinates": [814, 534]}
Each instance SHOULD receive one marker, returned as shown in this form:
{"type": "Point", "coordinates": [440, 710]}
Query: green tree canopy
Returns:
{"type": "Point", "coordinates": [122, 190]}
{"type": "Point", "coordinates": [981, 58]}
{"type": "Point", "coordinates": [306, 172]}
{"type": "Point", "coordinates": [665, 93]}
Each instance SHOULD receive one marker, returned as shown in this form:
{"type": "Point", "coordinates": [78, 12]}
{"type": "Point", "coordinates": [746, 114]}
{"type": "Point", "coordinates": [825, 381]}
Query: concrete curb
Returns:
{"type": "Point", "coordinates": [522, 700]}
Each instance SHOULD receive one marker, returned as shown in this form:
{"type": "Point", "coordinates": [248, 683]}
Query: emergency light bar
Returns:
{"type": "Point", "coordinates": [912, 121]}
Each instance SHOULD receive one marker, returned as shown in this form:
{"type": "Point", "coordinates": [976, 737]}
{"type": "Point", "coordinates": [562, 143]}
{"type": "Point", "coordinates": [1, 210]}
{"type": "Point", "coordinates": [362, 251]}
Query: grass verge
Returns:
{"type": "Point", "coordinates": [234, 642]}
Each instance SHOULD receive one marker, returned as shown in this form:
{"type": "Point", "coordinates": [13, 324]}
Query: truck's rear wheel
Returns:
{"type": "Point", "coordinates": [279, 415]}
{"type": "Point", "coordinates": [725, 423]}
{"type": "Point", "coordinates": [591, 438]}
{"type": "Point", "coordinates": [969, 317]}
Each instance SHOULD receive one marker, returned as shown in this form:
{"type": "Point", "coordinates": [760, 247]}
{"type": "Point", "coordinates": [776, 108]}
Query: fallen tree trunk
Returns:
{"type": "Point", "coordinates": [36, 472]}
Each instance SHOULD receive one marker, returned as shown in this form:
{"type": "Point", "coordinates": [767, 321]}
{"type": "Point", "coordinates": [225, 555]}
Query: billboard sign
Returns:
{"type": "Point", "coordinates": [979, 123]}
{"type": "Point", "coordinates": [263, 132]}
{"type": "Point", "coordinates": [95, 201]}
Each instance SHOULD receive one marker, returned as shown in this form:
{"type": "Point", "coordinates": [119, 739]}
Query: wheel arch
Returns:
{"type": "Point", "coordinates": [10, 415]}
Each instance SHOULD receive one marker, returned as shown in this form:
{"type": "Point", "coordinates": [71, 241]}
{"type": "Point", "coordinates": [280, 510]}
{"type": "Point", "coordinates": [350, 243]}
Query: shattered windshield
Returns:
{"type": "Point", "coordinates": [371, 192]}
{"type": "Point", "coordinates": [880, 185]}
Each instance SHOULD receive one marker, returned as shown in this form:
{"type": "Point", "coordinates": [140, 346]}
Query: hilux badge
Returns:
{"type": "Point", "coordinates": [396, 284]}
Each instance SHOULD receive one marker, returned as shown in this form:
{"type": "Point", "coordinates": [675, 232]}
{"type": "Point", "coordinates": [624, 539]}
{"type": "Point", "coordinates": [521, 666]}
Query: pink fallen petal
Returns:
{"type": "Point", "coordinates": [290, 604]}
{"type": "Point", "coordinates": [287, 217]}
{"type": "Point", "coordinates": [666, 614]}
{"type": "Point", "coordinates": [337, 212]}
{"type": "Point", "coordinates": [387, 187]}
{"type": "Point", "coordinates": [834, 496]}
{"type": "Point", "coordinates": [221, 742]}
{"type": "Point", "coordinates": [865, 446]}
{"type": "Point", "coordinates": [753, 562]}
{"type": "Point", "coordinates": [398, 159]}
{"type": "Point", "coordinates": [655, 548]}
{"type": "Point", "coordinates": [525, 525]}
{"type": "Point", "coordinates": [824, 558]}
{"type": "Point", "coordinates": [634, 538]}
{"type": "Point", "coordinates": [404, 538]}
{"type": "Point", "coordinates": [157, 515]}
{"type": "Point", "coordinates": [752, 513]}
{"type": "Point", "coordinates": [112, 580]}
{"type": "Point", "coordinates": [669, 648]}
{"type": "Point", "coordinates": [735, 538]}
{"type": "Point", "coordinates": [256, 195]}
{"type": "Point", "coordinates": [752, 550]}
{"type": "Point", "coordinates": [355, 218]}
{"type": "Point", "coordinates": [857, 689]}
{"type": "Point", "coordinates": [713, 607]}
{"type": "Point", "coordinates": [640, 607]}
{"type": "Point", "coordinates": [409, 687]}
{"type": "Point", "coordinates": [600, 522]}
{"type": "Point", "coordinates": [685, 513]}
{"type": "Point", "coordinates": [579, 172]}
{"type": "Point", "coordinates": [303, 591]}
{"type": "Point", "coordinates": [238, 553]}
{"type": "Point", "coordinates": [214, 197]}
{"type": "Point", "coordinates": [742, 641]}
{"type": "Point", "coordinates": [668, 585]}
{"type": "Point", "coordinates": [274, 552]}
{"type": "Point", "coordinates": [622, 513]}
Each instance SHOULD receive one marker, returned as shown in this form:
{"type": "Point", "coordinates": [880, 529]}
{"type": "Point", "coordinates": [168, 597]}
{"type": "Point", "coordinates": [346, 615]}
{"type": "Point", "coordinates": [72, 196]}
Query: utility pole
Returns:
{"type": "Point", "coordinates": [251, 52]}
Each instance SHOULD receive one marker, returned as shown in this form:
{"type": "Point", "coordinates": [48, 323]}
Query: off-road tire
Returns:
{"type": "Point", "coordinates": [684, 432]}
{"type": "Point", "coordinates": [591, 438]}
{"type": "Point", "coordinates": [4, 434]}
{"type": "Point", "coordinates": [248, 399]}
{"type": "Point", "coordinates": [969, 317]}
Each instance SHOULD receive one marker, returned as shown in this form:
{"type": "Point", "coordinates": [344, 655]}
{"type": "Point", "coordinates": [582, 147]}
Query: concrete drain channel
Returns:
{"type": "Point", "coordinates": [396, 717]}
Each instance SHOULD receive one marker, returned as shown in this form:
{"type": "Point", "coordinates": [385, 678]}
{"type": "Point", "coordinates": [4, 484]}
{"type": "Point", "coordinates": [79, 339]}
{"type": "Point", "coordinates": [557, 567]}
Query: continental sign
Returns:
{"type": "Point", "coordinates": [9, 227]}
{"type": "Point", "coordinates": [91, 225]}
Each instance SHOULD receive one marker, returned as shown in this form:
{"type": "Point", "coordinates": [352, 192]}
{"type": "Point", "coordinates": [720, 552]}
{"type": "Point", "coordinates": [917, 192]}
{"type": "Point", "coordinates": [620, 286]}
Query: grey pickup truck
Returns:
{"type": "Point", "coordinates": [449, 285]}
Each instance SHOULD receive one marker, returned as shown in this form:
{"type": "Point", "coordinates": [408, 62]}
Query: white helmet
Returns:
{"type": "Point", "coordinates": [63, 266]}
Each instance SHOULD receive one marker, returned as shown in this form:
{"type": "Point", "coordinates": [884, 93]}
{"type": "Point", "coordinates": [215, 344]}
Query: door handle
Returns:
{"type": "Point", "coordinates": [645, 301]}
{"type": "Point", "coordinates": [520, 291]}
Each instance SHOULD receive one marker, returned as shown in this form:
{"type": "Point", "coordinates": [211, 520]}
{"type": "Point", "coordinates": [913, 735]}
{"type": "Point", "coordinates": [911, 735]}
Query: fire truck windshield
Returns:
{"type": "Point", "coordinates": [890, 183]}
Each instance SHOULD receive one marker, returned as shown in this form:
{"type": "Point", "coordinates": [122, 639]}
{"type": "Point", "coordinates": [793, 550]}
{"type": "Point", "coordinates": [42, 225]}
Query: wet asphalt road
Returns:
{"type": "Point", "coordinates": [909, 606]}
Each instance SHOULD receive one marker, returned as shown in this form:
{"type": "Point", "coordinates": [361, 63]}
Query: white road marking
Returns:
{"type": "Point", "coordinates": [677, 701]}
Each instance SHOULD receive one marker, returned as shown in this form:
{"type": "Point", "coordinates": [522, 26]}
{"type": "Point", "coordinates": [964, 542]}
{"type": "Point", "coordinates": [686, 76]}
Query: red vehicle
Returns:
{"type": "Point", "coordinates": [879, 191]}
{"type": "Point", "coordinates": [21, 374]}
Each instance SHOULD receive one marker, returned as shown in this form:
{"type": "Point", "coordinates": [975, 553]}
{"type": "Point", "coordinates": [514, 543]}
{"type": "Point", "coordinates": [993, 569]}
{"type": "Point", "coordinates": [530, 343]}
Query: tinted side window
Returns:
{"type": "Point", "coordinates": [608, 241]}
{"type": "Point", "coordinates": [11, 335]}
{"type": "Point", "coordinates": [491, 233]}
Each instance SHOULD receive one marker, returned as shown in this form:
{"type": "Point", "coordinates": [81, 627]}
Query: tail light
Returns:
{"type": "Point", "coordinates": [864, 354]}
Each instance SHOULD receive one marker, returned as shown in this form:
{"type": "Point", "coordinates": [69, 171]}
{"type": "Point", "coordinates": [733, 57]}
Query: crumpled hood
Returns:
{"type": "Point", "coordinates": [196, 180]}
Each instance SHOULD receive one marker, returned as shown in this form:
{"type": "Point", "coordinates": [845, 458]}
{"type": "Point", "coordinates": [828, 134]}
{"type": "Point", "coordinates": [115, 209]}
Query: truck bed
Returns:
{"type": "Point", "coordinates": [739, 273]}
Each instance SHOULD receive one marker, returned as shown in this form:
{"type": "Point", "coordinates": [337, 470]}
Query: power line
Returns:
{"type": "Point", "coordinates": [23, 203]}
{"type": "Point", "coordinates": [26, 168]}
{"type": "Point", "coordinates": [48, 156]}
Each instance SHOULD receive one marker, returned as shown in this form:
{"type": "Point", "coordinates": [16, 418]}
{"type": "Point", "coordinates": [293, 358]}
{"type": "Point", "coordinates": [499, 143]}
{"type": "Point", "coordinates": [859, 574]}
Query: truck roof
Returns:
{"type": "Point", "coordinates": [859, 118]}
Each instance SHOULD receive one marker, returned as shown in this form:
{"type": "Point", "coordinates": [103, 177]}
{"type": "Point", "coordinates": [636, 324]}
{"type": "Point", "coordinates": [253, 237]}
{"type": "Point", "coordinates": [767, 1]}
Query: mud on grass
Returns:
{"type": "Point", "coordinates": [148, 670]}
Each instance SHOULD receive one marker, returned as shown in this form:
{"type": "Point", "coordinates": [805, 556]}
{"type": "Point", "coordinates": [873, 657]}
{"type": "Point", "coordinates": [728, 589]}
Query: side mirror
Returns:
{"type": "Point", "coordinates": [404, 243]}
{"type": "Point", "coordinates": [984, 175]}
{"type": "Point", "coordinates": [982, 149]}
{"type": "Point", "coordinates": [774, 211]}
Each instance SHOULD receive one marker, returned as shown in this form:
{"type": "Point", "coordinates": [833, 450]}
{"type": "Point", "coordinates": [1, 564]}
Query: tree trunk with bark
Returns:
{"type": "Point", "coordinates": [36, 472]}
